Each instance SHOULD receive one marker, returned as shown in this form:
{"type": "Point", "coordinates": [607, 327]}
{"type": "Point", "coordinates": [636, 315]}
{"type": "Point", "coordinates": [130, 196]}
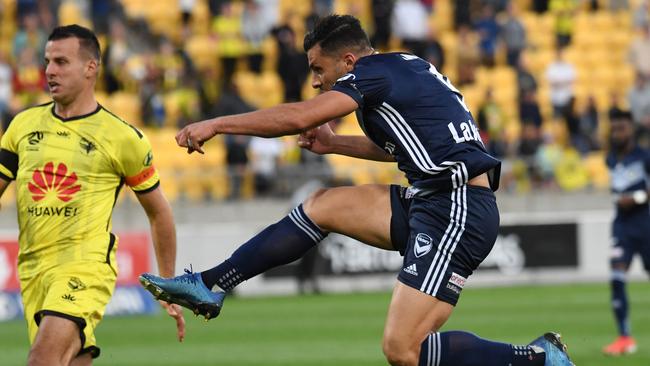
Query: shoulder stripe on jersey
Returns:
{"type": "Point", "coordinates": [9, 160]}
{"type": "Point", "coordinates": [414, 146]}
{"type": "Point", "coordinates": [408, 138]}
{"type": "Point", "coordinates": [123, 121]}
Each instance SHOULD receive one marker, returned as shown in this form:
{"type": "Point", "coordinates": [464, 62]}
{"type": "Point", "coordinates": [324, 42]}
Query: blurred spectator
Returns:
{"type": "Point", "coordinates": [6, 91]}
{"type": "Point", "coordinates": [513, 34]}
{"type": "Point", "coordinates": [572, 121]}
{"type": "Point", "coordinates": [468, 55]}
{"type": "Point", "coordinates": [564, 13]}
{"type": "Point", "coordinates": [382, 11]}
{"type": "Point", "coordinates": [319, 9]}
{"type": "Point", "coordinates": [257, 22]}
{"type": "Point", "coordinates": [48, 13]}
{"type": "Point", "coordinates": [561, 76]}
{"type": "Point", "coordinates": [614, 104]}
{"type": "Point", "coordinates": [226, 27]}
{"type": "Point", "coordinates": [117, 51]}
{"type": "Point", "coordinates": [492, 119]}
{"type": "Point", "coordinates": [265, 154]}
{"type": "Point", "coordinates": [549, 153]}
{"type": "Point", "coordinates": [150, 91]}
{"type": "Point", "coordinates": [540, 6]}
{"type": "Point", "coordinates": [434, 53]}
{"type": "Point", "coordinates": [170, 64]}
{"type": "Point", "coordinates": [526, 82]}
{"type": "Point", "coordinates": [529, 113]}
{"type": "Point", "coordinates": [529, 143]}
{"type": "Point", "coordinates": [237, 161]}
{"type": "Point", "coordinates": [30, 35]}
{"type": "Point", "coordinates": [618, 5]}
{"type": "Point", "coordinates": [589, 124]}
{"type": "Point", "coordinates": [488, 31]}
{"type": "Point", "coordinates": [410, 24]}
{"type": "Point", "coordinates": [570, 172]}
{"type": "Point", "coordinates": [462, 14]}
{"type": "Point", "coordinates": [29, 81]}
{"type": "Point", "coordinates": [641, 17]}
{"type": "Point", "coordinates": [24, 7]}
{"type": "Point", "coordinates": [292, 65]}
{"type": "Point", "coordinates": [229, 103]}
{"type": "Point", "coordinates": [593, 5]}
{"type": "Point", "coordinates": [639, 53]}
{"type": "Point", "coordinates": [583, 126]}
{"type": "Point", "coordinates": [215, 6]}
{"type": "Point", "coordinates": [99, 11]}
{"type": "Point", "coordinates": [186, 7]}
{"type": "Point", "coordinates": [639, 101]}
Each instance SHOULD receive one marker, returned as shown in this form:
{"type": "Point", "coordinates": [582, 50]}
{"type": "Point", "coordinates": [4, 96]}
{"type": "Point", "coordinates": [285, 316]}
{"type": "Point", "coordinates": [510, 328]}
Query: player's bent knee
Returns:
{"type": "Point", "coordinates": [398, 352]}
{"type": "Point", "coordinates": [40, 356]}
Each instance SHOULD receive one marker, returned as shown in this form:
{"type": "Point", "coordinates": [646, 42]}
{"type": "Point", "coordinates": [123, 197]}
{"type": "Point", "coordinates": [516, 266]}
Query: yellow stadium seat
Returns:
{"type": "Point", "coordinates": [126, 106]}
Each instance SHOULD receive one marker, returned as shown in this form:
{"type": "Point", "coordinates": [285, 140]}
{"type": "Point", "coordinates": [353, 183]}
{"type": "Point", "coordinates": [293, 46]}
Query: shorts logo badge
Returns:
{"type": "Point", "coordinates": [457, 279]}
{"type": "Point", "coordinates": [75, 284]}
{"type": "Point", "coordinates": [412, 269]}
{"type": "Point", "coordinates": [423, 244]}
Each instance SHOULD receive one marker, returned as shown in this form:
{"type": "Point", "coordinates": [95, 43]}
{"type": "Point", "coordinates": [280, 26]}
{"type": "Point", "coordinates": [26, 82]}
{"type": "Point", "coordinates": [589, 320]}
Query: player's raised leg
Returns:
{"type": "Point", "coordinates": [57, 343]}
{"type": "Point", "coordinates": [336, 209]}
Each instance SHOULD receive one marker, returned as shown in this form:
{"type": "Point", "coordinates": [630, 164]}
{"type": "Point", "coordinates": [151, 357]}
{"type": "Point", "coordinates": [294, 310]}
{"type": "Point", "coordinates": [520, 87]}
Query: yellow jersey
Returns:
{"type": "Point", "coordinates": [68, 174]}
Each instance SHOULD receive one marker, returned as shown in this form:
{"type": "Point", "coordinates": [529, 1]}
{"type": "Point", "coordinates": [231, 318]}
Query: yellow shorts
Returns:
{"type": "Point", "coordinates": [78, 291]}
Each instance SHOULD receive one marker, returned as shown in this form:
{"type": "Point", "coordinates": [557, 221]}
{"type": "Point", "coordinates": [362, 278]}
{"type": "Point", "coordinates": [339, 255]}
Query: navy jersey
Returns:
{"type": "Point", "coordinates": [414, 113]}
{"type": "Point", "coordinates": [628, 174]}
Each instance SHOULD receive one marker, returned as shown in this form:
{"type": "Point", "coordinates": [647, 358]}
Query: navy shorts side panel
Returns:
{"type": "Point", "coordinates": [450, 234]}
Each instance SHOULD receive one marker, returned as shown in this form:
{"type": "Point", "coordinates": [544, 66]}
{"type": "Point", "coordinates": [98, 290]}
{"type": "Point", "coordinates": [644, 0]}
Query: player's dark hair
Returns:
{"type": "Point", "coordinates": [87, 39]}
{"type": "Point", "coordinates": [335, 32]}
{"type": "Point", "coordinates": [620, 115]}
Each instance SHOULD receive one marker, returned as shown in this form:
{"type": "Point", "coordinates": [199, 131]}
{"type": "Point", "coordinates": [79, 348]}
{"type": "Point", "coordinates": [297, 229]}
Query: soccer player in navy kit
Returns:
{"type": "Point", "coordinates": [445, 224]}
{"type": "Point", "coordinates": [629, 167]}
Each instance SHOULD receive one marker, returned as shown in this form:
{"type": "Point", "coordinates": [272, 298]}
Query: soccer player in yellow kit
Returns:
{"type": "Point", "coordinates": [69, 158]}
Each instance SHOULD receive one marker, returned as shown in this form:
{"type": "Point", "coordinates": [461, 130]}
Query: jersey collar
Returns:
{"type": "Point", "coordinates": [74, 118]}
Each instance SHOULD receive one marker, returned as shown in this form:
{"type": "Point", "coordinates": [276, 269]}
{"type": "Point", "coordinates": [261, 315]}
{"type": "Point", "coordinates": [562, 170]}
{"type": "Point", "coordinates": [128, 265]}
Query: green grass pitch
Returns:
{"type": "Point", "coordinates": [347, 329]}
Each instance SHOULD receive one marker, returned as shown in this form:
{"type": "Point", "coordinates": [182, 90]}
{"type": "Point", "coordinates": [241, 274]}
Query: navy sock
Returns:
{"type": "Point", "coordinates": [278, 244]}
{"type": "Point", "coordinates": [458, 348]}
{"type": "Point", "coordinates": [619, 303]}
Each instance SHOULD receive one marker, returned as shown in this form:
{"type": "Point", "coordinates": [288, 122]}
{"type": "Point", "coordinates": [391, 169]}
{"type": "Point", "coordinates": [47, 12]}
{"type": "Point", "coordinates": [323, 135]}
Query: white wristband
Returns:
{"type": "Point", "coordinates": [640, 197]}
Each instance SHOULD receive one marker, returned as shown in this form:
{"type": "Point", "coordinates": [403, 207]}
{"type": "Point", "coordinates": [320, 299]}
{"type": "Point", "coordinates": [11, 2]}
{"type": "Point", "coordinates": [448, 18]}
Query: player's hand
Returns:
{"type": "Point", "coordinates": [625, 202]}
{"type": "Point", "coordinates": [194, 135]}
{"type": "Point", "coordinates": [317, 140]}
{"type": "Point", "coordinates": [176, 312]}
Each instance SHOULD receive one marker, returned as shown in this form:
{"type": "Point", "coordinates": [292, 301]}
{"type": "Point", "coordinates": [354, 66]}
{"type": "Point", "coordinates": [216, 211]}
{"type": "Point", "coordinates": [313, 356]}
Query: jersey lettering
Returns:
{"type": "Point", "coordinates": [468, 130]}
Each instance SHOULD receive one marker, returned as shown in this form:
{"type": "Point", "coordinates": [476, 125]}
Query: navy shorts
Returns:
{"type": "Point", "coordinates": [443, 236]}
{"type": "Point", "coordinates": [628, 240]}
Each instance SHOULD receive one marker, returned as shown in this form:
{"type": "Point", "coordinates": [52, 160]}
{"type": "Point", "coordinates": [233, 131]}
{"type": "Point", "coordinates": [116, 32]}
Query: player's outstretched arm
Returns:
{"type": "Point", "coordinates": [281, 120]}
{"type": "Point", "coordinates": [163, 233]}
{"type": "Point", "coordinates": [322, 140]}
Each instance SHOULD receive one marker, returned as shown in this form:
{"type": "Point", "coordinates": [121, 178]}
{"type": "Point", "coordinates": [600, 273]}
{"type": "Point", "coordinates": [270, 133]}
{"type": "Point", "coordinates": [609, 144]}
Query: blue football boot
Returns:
{"type": "Point", "coordinates": [555, 350]}
{"type": "Point", "coordinates": [187, 290]}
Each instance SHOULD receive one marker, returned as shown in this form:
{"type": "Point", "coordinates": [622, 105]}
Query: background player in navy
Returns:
{"type": "Point", "coordinates": [629, 167]}
{"type": "Point", "coordinates": [445, 224]}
